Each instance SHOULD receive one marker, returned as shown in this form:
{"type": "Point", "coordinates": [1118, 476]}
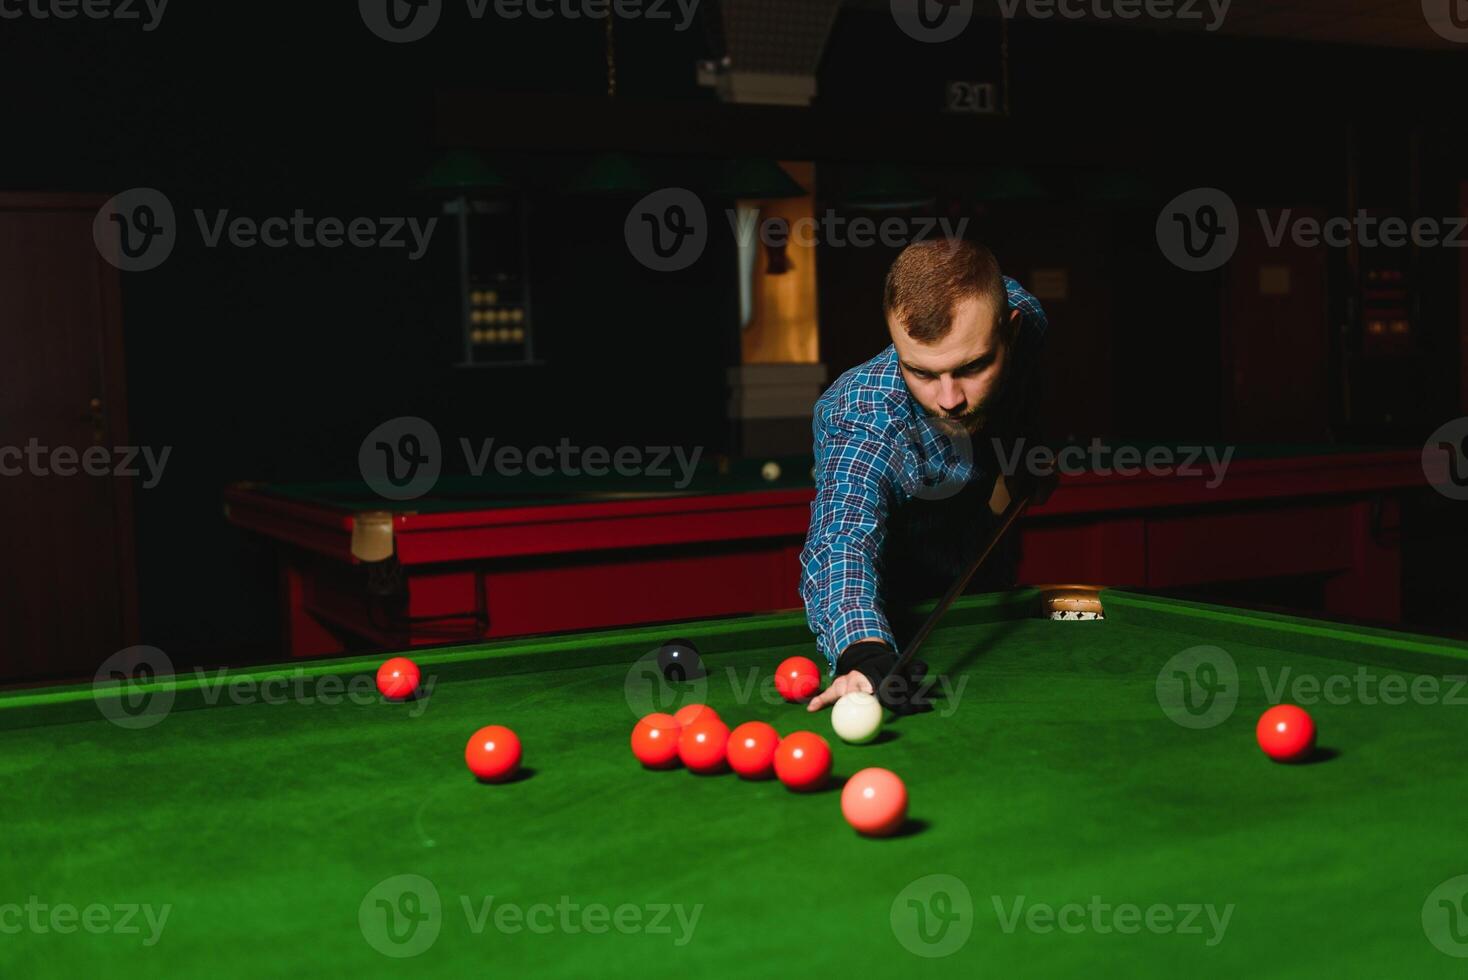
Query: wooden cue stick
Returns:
{"type": "Point", "coordinates": [1011, 515]}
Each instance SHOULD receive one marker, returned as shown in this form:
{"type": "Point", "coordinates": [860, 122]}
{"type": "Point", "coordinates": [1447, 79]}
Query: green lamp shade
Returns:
{"type": "Point", "coordinates": [1007, 184]}
{"type": "Point", "coordinates": [465, 170]}
{"type": "Point", "coordinates": [754, 178]}
{"type": "Point", "coordinates": [612, 173]}
{"type": "Point", "coordinates": [1119, 187]}
{"type": "Point", "coordinates": [876, 187]}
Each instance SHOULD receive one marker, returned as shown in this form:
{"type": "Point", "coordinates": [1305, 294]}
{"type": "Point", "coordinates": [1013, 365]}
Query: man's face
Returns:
{"type": "Point", "coordinates": [957, 376]}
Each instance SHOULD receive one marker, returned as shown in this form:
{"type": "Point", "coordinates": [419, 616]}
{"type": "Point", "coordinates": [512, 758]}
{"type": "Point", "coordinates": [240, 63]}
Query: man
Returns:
{"type": "Point", "coordinates": [907, 478]}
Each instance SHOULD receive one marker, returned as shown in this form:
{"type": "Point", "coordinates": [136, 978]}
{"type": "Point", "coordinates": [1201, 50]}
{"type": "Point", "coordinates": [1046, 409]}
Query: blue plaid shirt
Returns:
{"type": "Point", "coordinates": [875, 447]}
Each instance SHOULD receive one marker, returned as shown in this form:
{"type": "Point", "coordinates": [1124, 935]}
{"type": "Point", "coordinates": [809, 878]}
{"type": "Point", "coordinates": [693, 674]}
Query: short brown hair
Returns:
{"type": "Point", "coordinates": [928, 279]}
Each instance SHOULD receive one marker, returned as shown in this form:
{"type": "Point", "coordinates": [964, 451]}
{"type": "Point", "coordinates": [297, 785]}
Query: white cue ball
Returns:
{"type": "Point", "coordinates": [857, 717]}
{"type": "Point", "coordinates": [770, 471]}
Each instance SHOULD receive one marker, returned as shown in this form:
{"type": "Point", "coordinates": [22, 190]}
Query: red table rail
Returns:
{"type": "Point", "coordinates": [392, 576]}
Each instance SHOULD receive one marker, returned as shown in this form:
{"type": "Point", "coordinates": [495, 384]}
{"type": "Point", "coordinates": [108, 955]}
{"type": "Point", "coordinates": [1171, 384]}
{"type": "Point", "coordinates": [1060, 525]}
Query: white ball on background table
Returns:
{"type": "Point", "coordinates": [857, 717]}
{"type": "Point", "coordinates": [770, 471]}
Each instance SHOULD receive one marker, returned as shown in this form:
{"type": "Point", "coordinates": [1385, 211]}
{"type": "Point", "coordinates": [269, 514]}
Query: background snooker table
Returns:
{"type": "Point", "coordinates": [495, 556]}
{"type": "Point", "coordinates": [1056, 774]}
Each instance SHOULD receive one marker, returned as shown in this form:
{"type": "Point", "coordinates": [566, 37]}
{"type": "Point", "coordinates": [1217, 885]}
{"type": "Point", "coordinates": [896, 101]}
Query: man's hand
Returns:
{"type": "Point", "coordinates": [841, 686]}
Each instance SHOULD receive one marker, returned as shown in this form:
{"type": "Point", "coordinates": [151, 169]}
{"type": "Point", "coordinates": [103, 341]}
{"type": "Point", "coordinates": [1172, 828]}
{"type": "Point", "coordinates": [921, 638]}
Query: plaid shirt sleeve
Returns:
{"type": "Point", "coordinates": [1031, 312]}
{"type": "Point", "coordinates": [861, 462]}
{"type": "Point", "coordinates": [856, 469]}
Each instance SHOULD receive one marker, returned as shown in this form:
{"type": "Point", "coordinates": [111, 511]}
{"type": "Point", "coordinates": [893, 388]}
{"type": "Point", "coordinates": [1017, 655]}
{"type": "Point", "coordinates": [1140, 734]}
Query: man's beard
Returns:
{"type": "Point", "coordinates": [976, 419]}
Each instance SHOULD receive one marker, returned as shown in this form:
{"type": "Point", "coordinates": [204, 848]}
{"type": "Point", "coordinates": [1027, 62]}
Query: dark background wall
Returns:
{"type": "Point", "coordinates": [273, 364]}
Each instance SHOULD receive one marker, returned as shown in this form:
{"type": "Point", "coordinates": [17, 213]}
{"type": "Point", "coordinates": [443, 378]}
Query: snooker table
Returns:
{"type": "Point", "coordinates": [1087, 792]}
{"type": "Point", "coordinates": [497, 555]}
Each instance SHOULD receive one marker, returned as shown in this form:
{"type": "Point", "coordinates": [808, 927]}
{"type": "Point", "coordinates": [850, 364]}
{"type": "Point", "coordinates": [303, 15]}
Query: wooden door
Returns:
{"type": "Point", "coordinates": [67, 573]}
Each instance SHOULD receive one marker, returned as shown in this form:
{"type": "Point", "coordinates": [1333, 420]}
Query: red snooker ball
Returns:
{"type": "Point", "coordinates": [752, 750]}
{"type": "Point", "coordinates": [1286, 733]}
{"type": "Point", "coordinates": [797, 678]}
{"type": "Point", "coordinates": [702, 744]}
{"type": "Point", "coordinates": [397, 678]}
{"type": "Point", "coordinates": [655, 740]}
{"type": "Point", "coordinates": [690, 713]}
{"type": "Point", "coordinates": [493, 753]}
{"type": "Point", "coordinates": [874, 801]}
{"type": "Point", "coordinates": [803, 761]}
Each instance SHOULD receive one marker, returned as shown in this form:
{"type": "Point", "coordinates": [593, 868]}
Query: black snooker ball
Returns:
{"type": "Point", "coordinates": [679, 661]}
